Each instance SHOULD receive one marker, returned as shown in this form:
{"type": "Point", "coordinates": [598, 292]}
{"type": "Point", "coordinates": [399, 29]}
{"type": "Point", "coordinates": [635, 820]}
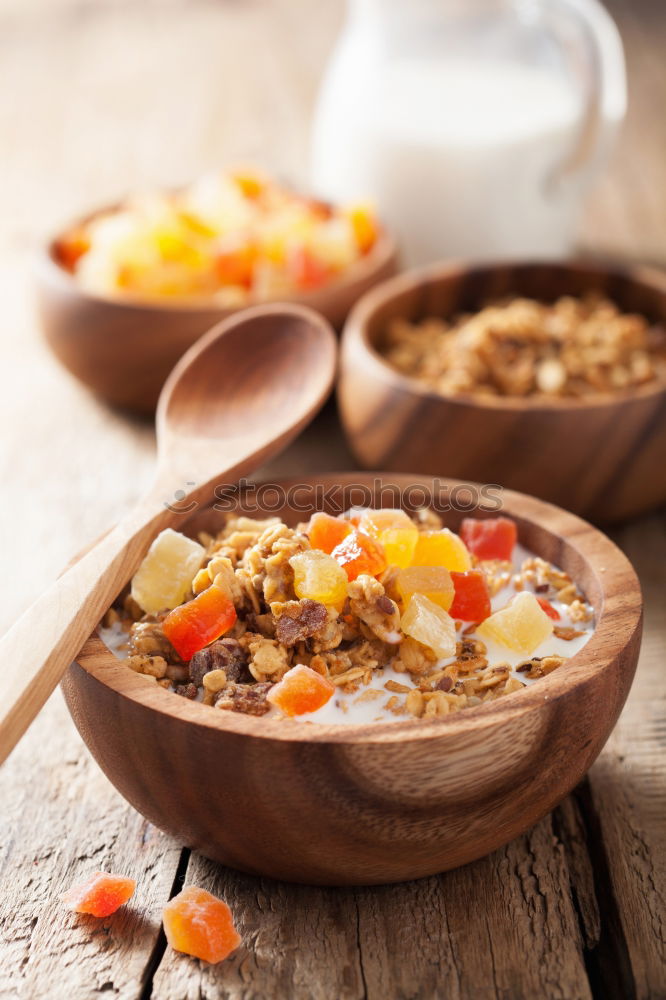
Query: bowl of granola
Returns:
{"type": "Point", "coordinates": [548, 378]}
{"type": "Point", "coordinates": [367, 681]}
{"type": "Point", "coordinates": [123, 292]}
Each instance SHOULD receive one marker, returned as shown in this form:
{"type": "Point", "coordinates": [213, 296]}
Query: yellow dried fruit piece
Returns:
{"type": "Point", "coordinates": [522, 625]}
{"type": "Point", "coordinates": [434, 582]}
{"type": "Point", "coordinates": [319, 577]}
{"type": "Point", "coordinates": [430, 625]}
{"type": "Point", "coordinates": [395, 531]}
{"type": "Point", "coordinates": [442, 548]}
{"type": "Point", "coordinates": [164, 578]}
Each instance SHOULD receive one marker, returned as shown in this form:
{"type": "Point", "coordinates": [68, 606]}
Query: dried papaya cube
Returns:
{"type": "Point", "coordinates": [433, 581]}
{"type": "Point", "coordinates": [549, 609]}
{"type": "Point", "coordinates": [100, 895]}
{"type": "Point", "coordinates": [489, 538]}
{"type": "Point", "coordinates": [441, 548]}
{"type": "Point", "coordinates": [522, 625]}
{"type": "Point", "coordinates": [472, 598]}
{"type": "Point", "coordinates": [301, 690]}
{"type": "Point", "coordinates": [430, 625]}
{"type": "Point", "coordinates": [163, 579]}
{"type": "Point", "coordinates": [395, 531]}
{"type": "Point", "coordinates": [319, 577]}
{"type": "Point", "coordinates": [194, 625]}
{"type": "Point", "coordinates": [358, 553]}
{"type": "Point", "coordinates": [325, 532]}
{"type": "Point", "coordinates": [199, 924]}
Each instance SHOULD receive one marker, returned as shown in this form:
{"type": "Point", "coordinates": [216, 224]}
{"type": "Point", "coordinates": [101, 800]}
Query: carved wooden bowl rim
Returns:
{"type": "Point", "coordinates": [612, 588]}
{"type": "Point", "coordinates": [356, 330]}
{"type": "Point", "coordinates": [380, 254]}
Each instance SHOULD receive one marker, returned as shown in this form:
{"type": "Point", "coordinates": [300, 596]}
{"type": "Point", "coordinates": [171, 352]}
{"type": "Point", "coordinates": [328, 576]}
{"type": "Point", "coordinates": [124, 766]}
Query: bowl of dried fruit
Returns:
{"type": "Point", "coordinates": [377, 679]}
{"type": "Point", "coordinates": [549, 378]}
{"type": "Point", "coordinates": [123, 292]}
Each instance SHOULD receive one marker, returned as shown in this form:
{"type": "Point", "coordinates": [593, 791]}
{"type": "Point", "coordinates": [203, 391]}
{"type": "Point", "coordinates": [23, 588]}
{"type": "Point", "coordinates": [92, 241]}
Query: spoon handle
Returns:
{"type": "Point", "coordinates": [39, 647]}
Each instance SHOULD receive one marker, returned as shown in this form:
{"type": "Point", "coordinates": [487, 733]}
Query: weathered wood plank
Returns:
{"type": "Point", "coordinates": [504, 926]}
{"type": "Point", "coordinates": [628, 782]}
{"type": "Point", "coordinates": [61, 819]}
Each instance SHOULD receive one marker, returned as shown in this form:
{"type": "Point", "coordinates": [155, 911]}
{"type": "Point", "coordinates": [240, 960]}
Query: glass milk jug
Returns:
{"type": "Point", "coordinates": [474, 126]}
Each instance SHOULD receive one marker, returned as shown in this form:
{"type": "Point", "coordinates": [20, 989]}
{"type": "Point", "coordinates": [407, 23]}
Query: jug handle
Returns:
{"type": "Point", "coordinates": [604, 81]}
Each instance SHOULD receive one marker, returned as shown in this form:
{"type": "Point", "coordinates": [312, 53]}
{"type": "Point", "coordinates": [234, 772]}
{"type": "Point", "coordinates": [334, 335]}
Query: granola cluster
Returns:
{"type": "Point", "coordinates": [521, 347]}
{"type": "Point", "coordinates": [358, 646]}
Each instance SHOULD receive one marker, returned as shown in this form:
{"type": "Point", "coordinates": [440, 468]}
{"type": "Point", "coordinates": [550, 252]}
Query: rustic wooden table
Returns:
{"type": "Point", "coordinates": [99, 96]}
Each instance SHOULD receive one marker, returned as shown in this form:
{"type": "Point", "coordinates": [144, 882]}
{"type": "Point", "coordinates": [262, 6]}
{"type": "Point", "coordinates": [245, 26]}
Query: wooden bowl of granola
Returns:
{"type": "Point", "coordinates": [437, 398]}
{"type": "Point", "coordinates": [384, 801]}
{"type": "Point", "coordinates": [123, 347]}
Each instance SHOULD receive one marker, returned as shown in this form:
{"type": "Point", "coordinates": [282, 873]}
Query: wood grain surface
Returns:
{"type": "Point", "coordinates": [89, 103]}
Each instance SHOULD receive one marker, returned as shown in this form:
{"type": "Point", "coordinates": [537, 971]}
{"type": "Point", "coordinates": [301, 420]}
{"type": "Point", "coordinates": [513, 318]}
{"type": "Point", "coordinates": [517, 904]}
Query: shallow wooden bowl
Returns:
{"type": "Point", "coordinates": [123, 350]}
{"type": "Point", "coordinates": [346, 805]}
{"type": "Point", "coordinates": [604, 459]}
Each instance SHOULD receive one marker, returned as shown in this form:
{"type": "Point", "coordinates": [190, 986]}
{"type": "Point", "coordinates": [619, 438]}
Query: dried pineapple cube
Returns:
{"type": "Point", "coordinates": [430, 625]}
{"type": "Point", "coordinates": [432, 581]}
{"type": "Point", "coordinates": [395, 531]}
{"type": "Point", "coordinates": [522, 625]}
{"type": "Point", "coordinates": [164, 578]}
{"type": "Point", "coordinates": [319, 577]}
{"type": "Point", "coordinates": [442, 548]}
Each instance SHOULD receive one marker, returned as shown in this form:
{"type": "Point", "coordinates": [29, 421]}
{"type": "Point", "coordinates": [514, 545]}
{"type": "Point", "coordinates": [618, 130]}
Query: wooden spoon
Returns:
{"type": "Point", "coordinates": [235, 399]}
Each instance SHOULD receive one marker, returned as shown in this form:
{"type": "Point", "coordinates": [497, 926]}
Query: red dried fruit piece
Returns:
{"type": "Point", "coordinates": [471, 599]}
{"type": "Point", "coordinates": [549, 609]}
{"type": "Point", "coordinates": [301, 690]}
{"type": "Point", "coordinates": [325, 532]}
{"type": "Point", "coordinates": [490, 538]}
{"type": "Point", "coordinates": [199, 924]}
{"type": "Point", "coordinates": [358, 553]}
{"type": "Point", "coordinates": [194, 625]}
{"type": "Point", "coordinates": [100, 895]}
{"type": "Point", "coordinates": [306, 270]}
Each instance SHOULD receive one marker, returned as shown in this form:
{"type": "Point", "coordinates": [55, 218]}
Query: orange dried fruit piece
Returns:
{"type": "Point", "coordinates": [358, 553]}
{"type": "Point", "coordinates": [395, 531]}
{"type": "Point", "coordinates": [430, 625]}
{"type": "Point", "coordinates": [319, 577]}
{"type": "Point", "coordinates": [199, 924]}
{"type": "Point", "coordinates": [522, 625]}
{"type": "Point", "coordinates": [441, 548]}
{"type": "Point", "coordinates": [434, 582]}
{"type": "Point", "coordinates": [492, 538]}
{"type": "Point", "coordinates": [100, 895]}
{"type": "Point", "coordinates": [301, 690]}
{"type": "Point", "coordinates": [194, 625]}
{"type": "Point", "coordinates": [325, 532]}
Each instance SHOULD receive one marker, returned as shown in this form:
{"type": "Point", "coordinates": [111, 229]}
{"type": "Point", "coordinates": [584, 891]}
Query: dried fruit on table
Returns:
{"type": "Point", "coordinates": [319, 577]}
{"type": "Point", "coordinates": [301, 690]}
{"type": "Point", "coordinates": [325, 532]}
{"type": "Point", "coordinates": [433, 581]}
{"type": "Point", "coordinates": [194, 625]}
{"type": "Point", "coordinates": [549, 609]}
{"type": "Point", "coordinates": [100, 895]}
{"type": "Point", "coordinates": [430, 625]}
{"type": "Point", "coordinates": [490, 538]}
{"type": "Point", "coordinates": [471, 602]}
{"type": "Point", "coordinates": [358, 553]}
{"type": "Point", "coordinates": [164, 578]}
{"type": "Point", "coordinates": [441, 548]}
{"type": "Point", "coordinates": [395, 531]}
{"type": "Point", "coordinates": [522, 625]}
{"type": "Point", "coordinates": [199, 924]}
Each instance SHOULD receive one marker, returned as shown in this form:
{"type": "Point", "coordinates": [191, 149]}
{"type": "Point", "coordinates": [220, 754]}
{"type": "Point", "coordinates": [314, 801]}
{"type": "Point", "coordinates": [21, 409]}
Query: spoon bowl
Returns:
{"type": "Point", "coordinates": [237, 397]}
